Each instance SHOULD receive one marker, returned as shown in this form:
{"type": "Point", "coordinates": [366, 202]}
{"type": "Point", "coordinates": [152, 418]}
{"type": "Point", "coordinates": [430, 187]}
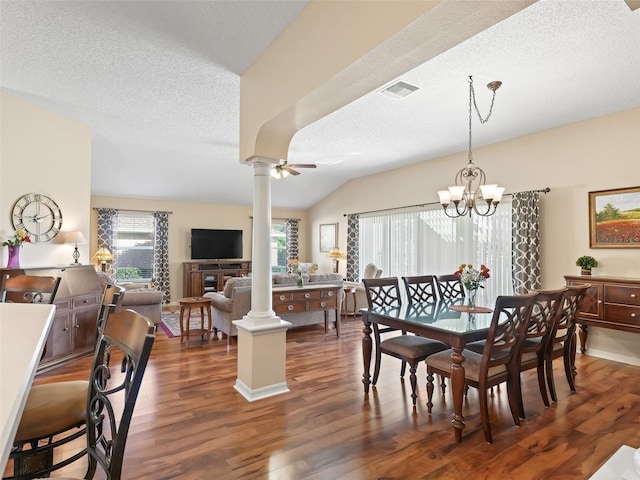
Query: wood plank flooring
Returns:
{"type": "Point", "coordinates": [190, 423]}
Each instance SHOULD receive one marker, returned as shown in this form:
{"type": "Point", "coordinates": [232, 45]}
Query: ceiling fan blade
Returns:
{"type": "Point", "coordinates": [290, 170]}
{"type": "Point", "coordinates": [302, 165]}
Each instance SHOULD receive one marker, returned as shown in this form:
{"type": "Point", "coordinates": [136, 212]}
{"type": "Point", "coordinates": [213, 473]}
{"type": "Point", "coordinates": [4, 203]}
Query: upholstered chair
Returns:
{"type": "Point", "coordinates": [370, 271]}
{"type": "Point", "coordinates": [145, 301]}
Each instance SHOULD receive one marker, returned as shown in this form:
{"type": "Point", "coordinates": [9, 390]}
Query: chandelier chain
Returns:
{"type": "Point", "coordinates": [472, 101]}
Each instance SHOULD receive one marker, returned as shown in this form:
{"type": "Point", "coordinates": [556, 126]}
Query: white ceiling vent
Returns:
{"type": "Point", "coordinates": [399, 90]}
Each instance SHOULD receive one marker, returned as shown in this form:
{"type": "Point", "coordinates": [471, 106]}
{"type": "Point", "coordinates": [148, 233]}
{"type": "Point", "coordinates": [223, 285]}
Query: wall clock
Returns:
{"type": "Point", "coordinates": [38, 215]}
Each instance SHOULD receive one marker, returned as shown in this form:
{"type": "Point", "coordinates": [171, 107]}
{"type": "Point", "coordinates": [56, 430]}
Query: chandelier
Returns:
{"type": "Point", "coordinates": [470, 192]}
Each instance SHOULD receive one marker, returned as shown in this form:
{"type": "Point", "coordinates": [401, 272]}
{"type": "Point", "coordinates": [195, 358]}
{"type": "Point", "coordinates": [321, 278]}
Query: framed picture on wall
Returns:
{"type": "Point", "coordinates": [328, 236]}
{"type": "Point", "coordinates": [614, 218]}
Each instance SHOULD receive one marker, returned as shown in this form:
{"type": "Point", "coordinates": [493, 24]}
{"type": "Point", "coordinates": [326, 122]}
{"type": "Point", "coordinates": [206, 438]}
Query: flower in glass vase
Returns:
{"type": "Point", "coordinates": [296, 268]}
{"type": "Point", "coordinates": [472, 278]}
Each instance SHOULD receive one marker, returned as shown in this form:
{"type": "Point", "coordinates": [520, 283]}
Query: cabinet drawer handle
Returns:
{"type": "Point", "coordinates": [323, 304]}
{"type": "Point", "coordinates": [633, 315]}
{"type": "Point", "coordinates": [65, 329]}
{"type": "Point", "coordinates": [306, 295]}
{"type": "Point", "coordinates": [282, 297]}
{"type": "Point", "coordinates": [599, 301]}
{"type": "Point", "coordinates": [85, 301]}
{"type": "Point", "coordinates": [330, 294]}
{"type": "Point", "coordinates": [77, 326]}
{"type": "Point", "coordinates": [289, 307]}
{"type": "Point", "coordinates": [633, 295]}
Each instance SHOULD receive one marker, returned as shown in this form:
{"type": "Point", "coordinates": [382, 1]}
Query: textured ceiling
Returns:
{"type": "Point", "coordinates": [158, 83]}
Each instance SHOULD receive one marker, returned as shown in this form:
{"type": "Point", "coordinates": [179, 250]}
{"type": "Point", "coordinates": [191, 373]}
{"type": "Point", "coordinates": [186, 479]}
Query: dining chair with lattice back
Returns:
{"type": "Point", "coordinates": [29, 289]}
{"type": "Point", "coordinates": [104, 405]}
{"type": "Point", "coordinates": [411, 349]}
{"type": "Point", "coordinates": [449, 286]}
{"type": "Point", "coordinates": [495, 364]}
{"type": "Point", "coordinates": [563, 338]}
{"type": "Point", "coordinates": [420, 289]}
{"type": "Point", "coordinates": [544, 316]}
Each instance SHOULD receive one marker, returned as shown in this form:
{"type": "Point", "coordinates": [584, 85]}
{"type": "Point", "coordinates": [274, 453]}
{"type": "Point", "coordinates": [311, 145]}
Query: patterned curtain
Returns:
{"type": "Point", "coordinates": [160, 279]}
{"type": "Point", "coordinates": [353, 247]}
{"type": "Point", "coordinates": [525, 247]}
{"type": "Point", "coordinates": [292, 241]}
{"type": "Point", "coordinates": [107, 226]}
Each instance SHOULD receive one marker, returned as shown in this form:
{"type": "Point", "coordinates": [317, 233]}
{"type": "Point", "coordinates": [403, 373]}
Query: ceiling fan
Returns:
{"type": "Point", "coordinates": [284, 169]}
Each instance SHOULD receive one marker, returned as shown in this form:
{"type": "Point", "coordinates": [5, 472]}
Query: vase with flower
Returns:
{"type": "Point", "coordinates": [297, 269]}
{"type": "Point", "coordinates": [14, 243]}
{"type": "Point", "coordinates": [472, 279]}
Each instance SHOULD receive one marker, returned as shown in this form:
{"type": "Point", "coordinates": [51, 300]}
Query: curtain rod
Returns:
{"type": "Point", "coordinates": [133, 210]}
{"type": "Point", "coordinates": [279, 218]}
{"type": "Point", "coordinates": [543, 190]}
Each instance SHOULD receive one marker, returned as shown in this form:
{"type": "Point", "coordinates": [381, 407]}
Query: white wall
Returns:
{"type": "Point", "coordinates": [597, 154]}
{"type": "Point", "coordinates": [41, 152]}
{"type": "Point", "coordinates": [186, 216]}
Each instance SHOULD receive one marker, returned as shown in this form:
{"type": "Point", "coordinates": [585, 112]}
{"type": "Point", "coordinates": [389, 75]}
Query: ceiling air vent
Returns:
{"type": "Point", "coordinates": [399, 90]}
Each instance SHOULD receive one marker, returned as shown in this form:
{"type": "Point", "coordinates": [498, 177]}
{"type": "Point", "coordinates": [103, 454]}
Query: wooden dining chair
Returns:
{"type": "Point", "coordinates": [495, 364]}
{"type": "Point", "coordinates": [449, 286]}
{"type": "Point", "coordinates": [544, 317]}
{"type": "Point", "coordinates": [420, 289]}
{"type": "Point", "coordinates": [411, 349]}
{"type": "Point", "coordinates": [562, 342]}
{"type": "Point", "coordinates": [52, 407]}
{"type": "Point", "coordinates": [29, 289]}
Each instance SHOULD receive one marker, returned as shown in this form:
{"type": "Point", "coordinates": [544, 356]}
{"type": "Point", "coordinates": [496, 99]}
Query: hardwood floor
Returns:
{"type": "Point", "coordinates": [190, 423]}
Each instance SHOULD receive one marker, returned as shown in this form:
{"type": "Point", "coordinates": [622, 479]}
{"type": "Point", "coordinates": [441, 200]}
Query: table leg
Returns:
{"type": "Point", "coordinates": [202, 323]}
{"type": "Point", "coordinates": [210, 324]}
{"type": "Point", "coordinates": [366, 352]}
{"type": "Point", "coordinates": [181, 326]}
{"type": "Point", "coordinates": [337, 322]}
{"type": "Point", "coordinates": [457, 390]}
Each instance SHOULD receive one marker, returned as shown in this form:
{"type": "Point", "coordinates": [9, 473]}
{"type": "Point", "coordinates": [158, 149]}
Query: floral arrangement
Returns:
{"type": "Point", "coordinates": [472, 278]}
{"type": "Point", "coordinates": [17, 239]}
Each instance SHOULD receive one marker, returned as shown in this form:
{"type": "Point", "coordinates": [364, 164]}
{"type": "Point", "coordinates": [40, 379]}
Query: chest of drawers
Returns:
{"type": "Point", "coordinates": [611, 302]}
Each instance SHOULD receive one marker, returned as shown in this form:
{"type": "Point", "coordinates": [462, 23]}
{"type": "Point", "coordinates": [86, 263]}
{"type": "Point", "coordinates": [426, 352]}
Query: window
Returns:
{"type": "Point", "coordinates": [278, 247]}
{"type": "Point", "coordinates": [133, 245]}
{"type": "Point", "coordinates": [425, 241]}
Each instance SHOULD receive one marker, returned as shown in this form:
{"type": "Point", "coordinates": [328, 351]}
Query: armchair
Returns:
{"type": "Point", "coordinates": [370, 271]}
{"type": "Point", "coordinates": [145, 301]}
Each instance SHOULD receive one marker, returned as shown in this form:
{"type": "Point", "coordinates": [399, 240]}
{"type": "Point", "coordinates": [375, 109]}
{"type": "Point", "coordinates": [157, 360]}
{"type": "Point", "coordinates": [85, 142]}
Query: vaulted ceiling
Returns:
{"type": "Point", "coordinates": [159, 85]}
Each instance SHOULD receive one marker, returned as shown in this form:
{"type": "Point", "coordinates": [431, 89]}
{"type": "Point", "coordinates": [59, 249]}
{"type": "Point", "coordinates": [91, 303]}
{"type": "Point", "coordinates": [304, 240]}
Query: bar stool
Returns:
{"type": "Point", "coordinates": [186, 304]}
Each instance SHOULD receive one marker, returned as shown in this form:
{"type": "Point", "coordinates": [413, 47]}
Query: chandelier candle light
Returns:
{"type": "Point", "coordinates": [470, 193]}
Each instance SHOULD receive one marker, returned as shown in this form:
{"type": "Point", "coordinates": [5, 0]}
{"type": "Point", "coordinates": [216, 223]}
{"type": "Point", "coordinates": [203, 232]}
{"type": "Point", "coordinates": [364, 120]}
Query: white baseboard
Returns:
{"type": "Point", "coordinates": [260, 393]}
{"type": "Point", "coordinates": [613, 356]}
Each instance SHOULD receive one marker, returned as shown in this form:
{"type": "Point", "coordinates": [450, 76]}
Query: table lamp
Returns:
{"type": "Point", "coordinates": [103, 255]}
{"type": "Point", "coordinates": [75, 238]}
{"type": "Point", "coordinates": [336, 254]}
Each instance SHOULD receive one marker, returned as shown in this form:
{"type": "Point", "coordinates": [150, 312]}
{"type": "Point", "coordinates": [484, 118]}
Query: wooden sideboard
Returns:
{"type": "Point", "coordinates": [200, 277]}
{"type": "Point", "coordinates": [78, 301]}
{"type": "Point", "coordinates": [308, 298]}
{"type": "Point", "coordinates": [611, 302]}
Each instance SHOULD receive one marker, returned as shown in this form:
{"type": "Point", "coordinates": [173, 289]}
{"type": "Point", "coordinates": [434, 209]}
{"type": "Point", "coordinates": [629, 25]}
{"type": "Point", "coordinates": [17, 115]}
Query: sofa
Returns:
{"type": "Point", "coordinates": [234, 302]}
{"type": "Point", "coordinates": [145, 301]}
{"type": "Point", "coordinates": [370, 271]}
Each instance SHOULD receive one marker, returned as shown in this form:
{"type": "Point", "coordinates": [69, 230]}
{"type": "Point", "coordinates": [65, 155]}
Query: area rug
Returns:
{"type": "Point", "coordinates": [170, 323]}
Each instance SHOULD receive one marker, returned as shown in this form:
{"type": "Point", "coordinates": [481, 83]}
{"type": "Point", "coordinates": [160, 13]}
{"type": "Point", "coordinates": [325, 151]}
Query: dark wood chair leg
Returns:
{"type": "Point", "coordinates": [429, 389]}
{"type": "Point", "coordinates": [541, 380]}
{"type": "Point", "coordinates": [484, 415]}
{"type": "Point", "coordinates": [550, 381]}
{"type": "Point", "coordinates": [414, 381]}
{"type": "Point", "coordinates": [376, 367]}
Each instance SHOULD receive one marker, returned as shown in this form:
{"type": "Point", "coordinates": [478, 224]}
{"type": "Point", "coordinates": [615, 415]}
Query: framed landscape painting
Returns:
{"type": "Point", "coordinates": [614, 218]}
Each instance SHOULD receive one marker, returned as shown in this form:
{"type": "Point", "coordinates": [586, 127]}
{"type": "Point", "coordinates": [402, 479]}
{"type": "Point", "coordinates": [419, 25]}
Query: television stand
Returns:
{"type": "Point", "coordinates": [202, 276]}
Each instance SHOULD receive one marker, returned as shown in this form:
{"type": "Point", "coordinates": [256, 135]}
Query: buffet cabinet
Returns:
{"type": "Point", "coordinates": [309, 298]}
{"type": "Point", "coordinates": [611, 302]}
{"type": "Point", "coordinates": [205, 276]}
{"type": "Point", "coordinates": [78, 301]}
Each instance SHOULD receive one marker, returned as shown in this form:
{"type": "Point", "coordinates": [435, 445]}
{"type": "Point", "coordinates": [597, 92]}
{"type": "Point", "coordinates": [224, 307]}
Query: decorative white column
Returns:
{"type": "Point", "coordinates": [262, 336]}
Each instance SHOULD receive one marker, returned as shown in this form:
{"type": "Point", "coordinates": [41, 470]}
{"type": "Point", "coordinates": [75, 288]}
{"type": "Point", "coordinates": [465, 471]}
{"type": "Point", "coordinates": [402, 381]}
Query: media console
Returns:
{"type": "Point", "coordinates": [202, 276]}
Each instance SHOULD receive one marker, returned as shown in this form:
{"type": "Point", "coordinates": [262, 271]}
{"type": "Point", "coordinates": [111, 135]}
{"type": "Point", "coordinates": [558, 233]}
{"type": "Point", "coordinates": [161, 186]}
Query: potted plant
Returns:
{"type": "Point", "coordinates": [586, 263]}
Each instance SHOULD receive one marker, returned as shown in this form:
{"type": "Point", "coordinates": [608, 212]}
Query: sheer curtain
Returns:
{"type": "Point", "coordinates": [424, 240]}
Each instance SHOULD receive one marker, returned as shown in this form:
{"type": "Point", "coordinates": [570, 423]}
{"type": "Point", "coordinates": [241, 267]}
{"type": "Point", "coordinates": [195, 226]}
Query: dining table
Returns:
{"type": "Point", "coordinates": [447, 320]}
{"type": "Point", "coordinates": [24, 328]}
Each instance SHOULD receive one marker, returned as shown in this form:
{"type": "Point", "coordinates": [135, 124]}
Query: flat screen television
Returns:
{"type": "Point", "coordinates": [208, 244]}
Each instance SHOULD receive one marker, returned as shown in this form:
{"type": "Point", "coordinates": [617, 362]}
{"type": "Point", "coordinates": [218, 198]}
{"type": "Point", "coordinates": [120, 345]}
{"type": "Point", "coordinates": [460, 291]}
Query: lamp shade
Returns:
{"type": "Point", "coordinates": [336, 253]}
{"type": "Point", "coordinates": [74, 237]}
{"type": "Point", "coordinates": [103, 255]}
